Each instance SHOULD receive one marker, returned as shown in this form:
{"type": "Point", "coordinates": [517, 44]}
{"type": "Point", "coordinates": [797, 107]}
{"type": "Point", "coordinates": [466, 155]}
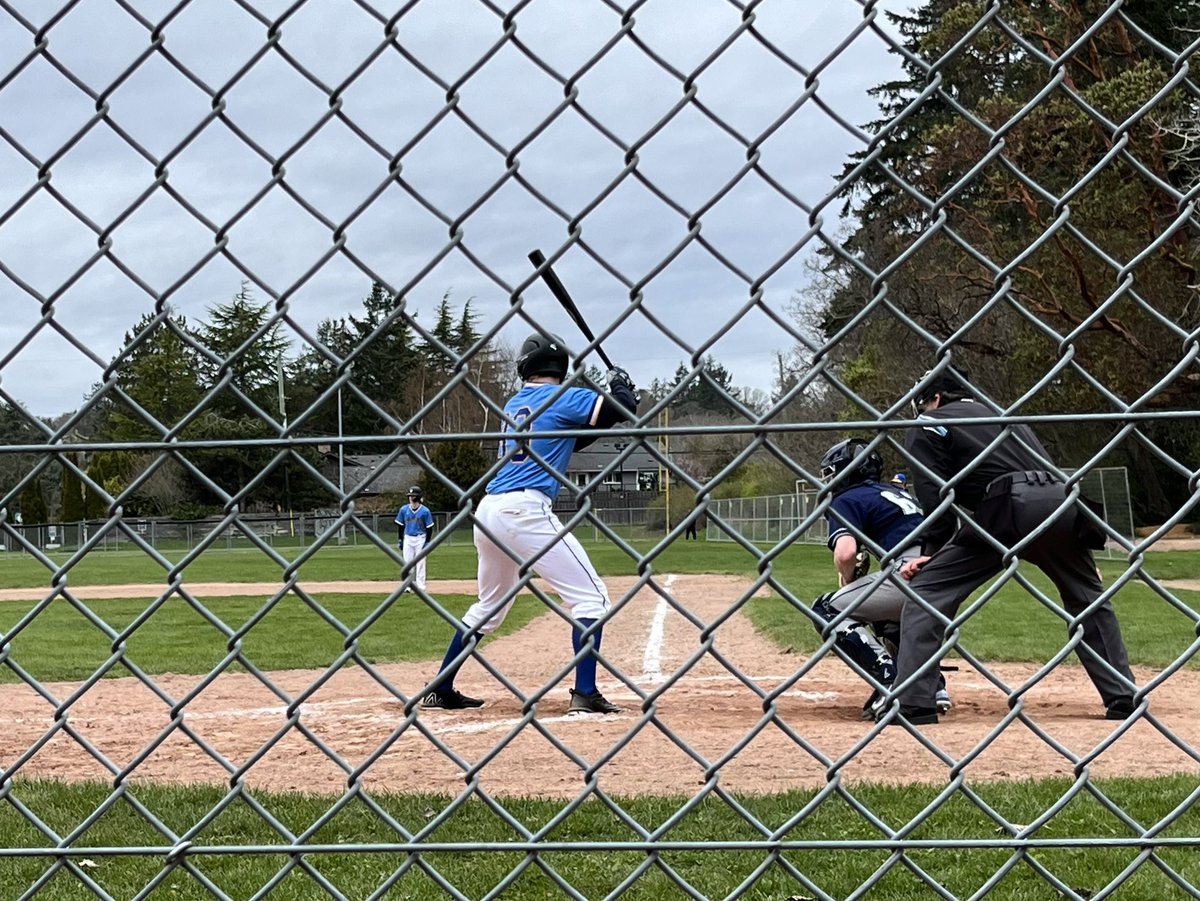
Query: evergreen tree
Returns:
{"type": "Point", "coordinates": [249, 347]}
{"type": "Point", "coordinates": [16, 428]}
{"type": "Point", "coordinates": [973, 180]}
{"type": "Point", "coordinates": [380, 346]}
{"type": "Point", "coordinates": [463, 463]}
{"type": "Point", "coordinates": [708, 391]}
{"type": "Point", "coordinates": [466, 334]}
{"type": "Point", "coordinates": [72, 492]}
{"type": "Point", "coordinates": [95, 504]}
{"type": "Point", "coordinates": [446, 333]}
{"type": "Point", "coordinates": [159, 370]}
{"type": "Point", "coordinates": [33, 504]}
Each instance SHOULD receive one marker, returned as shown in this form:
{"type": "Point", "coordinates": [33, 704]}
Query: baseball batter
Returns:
{"type": "Point", "coordinates": [416, 528]}
{"type": "Point", "coordinates": [514, 522]}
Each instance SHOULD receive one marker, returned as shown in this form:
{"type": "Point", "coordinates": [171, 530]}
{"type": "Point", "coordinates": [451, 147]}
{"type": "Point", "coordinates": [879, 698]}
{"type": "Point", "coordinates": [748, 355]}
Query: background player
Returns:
{"type": "Point", "coordinates": [416, 528]}
{"type": "Point", "coordinates": [515, 519]}
{"type": "Point", "coordinates": [887, 516]}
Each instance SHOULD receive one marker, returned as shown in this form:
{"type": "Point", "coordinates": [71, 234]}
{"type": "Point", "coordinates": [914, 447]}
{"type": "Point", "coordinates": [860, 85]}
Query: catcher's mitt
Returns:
{"type": "Point", "coordinates": [862, 564]}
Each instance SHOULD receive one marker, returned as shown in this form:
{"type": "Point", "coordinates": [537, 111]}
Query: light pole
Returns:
{"type": "Point", "coordinates": [620, 446]}
{"type": "Point", "coordinates": [341, 467]}
{"type": "Point", "coordinates": [664, 421]}
{"type": "Point", "coordinates": [287, 482]}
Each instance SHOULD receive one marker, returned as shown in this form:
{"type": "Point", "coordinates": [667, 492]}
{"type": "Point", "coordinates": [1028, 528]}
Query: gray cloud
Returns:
{"type": "Point", "coordinates": [689, 159]}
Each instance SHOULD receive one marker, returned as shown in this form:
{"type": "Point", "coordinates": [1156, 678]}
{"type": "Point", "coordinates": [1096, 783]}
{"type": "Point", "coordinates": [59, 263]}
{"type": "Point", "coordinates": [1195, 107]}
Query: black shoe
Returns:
{"type": "Point", "coordinates": [915, 716]}
{"type": "Point", "coordinates": [871, 708]}
{"type": "Point", "coordinates": [449, 699]}
{"type": "Point", "coordinates": [1119, 710]}
{"type": "Point", "coordinates": [593, 703]}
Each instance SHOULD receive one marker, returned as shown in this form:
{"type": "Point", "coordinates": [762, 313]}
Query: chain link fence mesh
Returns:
{"type": "Point", "coordinates": [1024, 203]}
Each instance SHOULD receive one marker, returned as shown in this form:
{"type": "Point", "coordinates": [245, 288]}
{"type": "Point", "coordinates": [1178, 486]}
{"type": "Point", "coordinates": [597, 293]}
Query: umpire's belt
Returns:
{"type": "Point", "coordinates": [1003, 484]}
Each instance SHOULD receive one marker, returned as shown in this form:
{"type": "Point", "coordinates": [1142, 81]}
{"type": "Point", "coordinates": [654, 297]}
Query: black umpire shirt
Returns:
{"type": "Point", "coordinates": [949, 449]}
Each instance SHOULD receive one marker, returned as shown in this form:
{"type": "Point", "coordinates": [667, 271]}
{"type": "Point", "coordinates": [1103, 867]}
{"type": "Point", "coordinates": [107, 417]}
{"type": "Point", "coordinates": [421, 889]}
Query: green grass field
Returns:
{"type": "Point", "coordinates": [176, 638]}
{"type": "Point", "coordinates": [595, 874]}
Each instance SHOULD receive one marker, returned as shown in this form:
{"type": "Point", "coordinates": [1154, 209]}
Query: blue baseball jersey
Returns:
{"type": "Point", "coordinates": [884, 514]}
{"type": "Point", "coordinates": [415, 522]}
{"type": "Point", "coordinates": [574, 408]}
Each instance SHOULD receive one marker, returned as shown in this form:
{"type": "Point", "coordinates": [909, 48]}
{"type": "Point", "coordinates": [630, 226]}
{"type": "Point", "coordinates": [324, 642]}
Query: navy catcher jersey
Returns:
{"type": "Point", "coordinates": [574, 408]}
{"type": "Point", "coordinates": [884, 514]}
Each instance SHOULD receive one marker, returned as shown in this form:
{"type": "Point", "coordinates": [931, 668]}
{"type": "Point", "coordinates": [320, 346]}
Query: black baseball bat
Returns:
{"type": "Point", "coordinates": [560, 294]}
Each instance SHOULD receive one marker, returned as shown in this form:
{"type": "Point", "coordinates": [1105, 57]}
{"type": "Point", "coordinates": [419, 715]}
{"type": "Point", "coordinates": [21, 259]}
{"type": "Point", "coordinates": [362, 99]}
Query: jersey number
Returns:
{"type": "Point", "coordinates": [906, 504]}
{"type": "Point", "coordinates": [522, 454]}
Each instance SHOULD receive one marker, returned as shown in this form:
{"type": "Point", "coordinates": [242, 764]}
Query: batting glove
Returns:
{"type": "Point", "coordinates": [618, 376]}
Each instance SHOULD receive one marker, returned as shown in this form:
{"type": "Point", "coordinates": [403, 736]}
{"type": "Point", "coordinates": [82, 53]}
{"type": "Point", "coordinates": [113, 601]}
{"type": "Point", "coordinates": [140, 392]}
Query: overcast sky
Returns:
{"type": "Point", "coordinates": [99, 177]}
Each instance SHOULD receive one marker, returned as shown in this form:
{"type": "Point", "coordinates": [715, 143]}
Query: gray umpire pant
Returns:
{"type": "Point", "coordinates": [966, 562]}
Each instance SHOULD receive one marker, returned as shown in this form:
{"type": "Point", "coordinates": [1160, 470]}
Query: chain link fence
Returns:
{"type": "Point", "coordinates": [777, 216]}
{"type": "Point", "coordinates": [803, 516]}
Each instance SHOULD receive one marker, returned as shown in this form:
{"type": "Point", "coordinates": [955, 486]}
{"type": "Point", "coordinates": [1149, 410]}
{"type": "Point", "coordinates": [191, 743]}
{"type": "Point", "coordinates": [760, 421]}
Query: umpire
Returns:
{"type": "Point", "coordinates": [1011, 495]}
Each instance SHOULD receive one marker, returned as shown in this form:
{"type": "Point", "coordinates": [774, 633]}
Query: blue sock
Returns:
{"type": "Point", "coordinates": [585, 670]}
{"type": "Point", "coordinates": [456, 646]}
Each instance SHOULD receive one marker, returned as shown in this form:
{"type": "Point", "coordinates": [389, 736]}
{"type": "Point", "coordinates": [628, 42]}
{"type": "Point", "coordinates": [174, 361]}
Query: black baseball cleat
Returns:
{"type": "Point", "coordinates": [593, 703]}
{"type": "Point", "coordinates": [449, 699]}
{"type": "Point", "coordinates": [1119, 710]}
{"type": "Point", "coordinates": [914, 716]}
{"type": "Point", "coordinates": [875, 703]}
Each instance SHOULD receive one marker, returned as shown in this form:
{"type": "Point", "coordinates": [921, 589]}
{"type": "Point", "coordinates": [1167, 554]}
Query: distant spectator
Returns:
{"type": "Point", "coordinates": [701, 520]}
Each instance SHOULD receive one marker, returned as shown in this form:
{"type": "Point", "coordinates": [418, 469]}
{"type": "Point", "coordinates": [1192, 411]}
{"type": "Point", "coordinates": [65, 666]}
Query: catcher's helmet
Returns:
{"type": "Point", "coordinates": [416, 492]}
{"type": "Point", "coordinates": [951, 381]}
{"type": "Point", "coordinates": [542, 355]}
{"type": "Point", "coordinates": [851, 454]}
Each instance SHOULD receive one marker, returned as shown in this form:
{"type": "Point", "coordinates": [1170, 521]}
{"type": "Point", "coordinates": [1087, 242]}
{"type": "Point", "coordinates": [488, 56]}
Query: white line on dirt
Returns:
{"type": "Point", "coordinates": [652, 659]}
{"type": "Point", "coordinates": [496, 725]}
{"type": "Point", "coordinates": [319, 709]}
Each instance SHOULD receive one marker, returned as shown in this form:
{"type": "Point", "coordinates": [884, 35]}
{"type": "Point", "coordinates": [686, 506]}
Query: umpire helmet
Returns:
{"type": "Point", "coordinates": [851, 454]}
{"type": "Point", "coordinates": [952, 383]}
{"type": "Point", "coordinates": [542, 355]}
{"type": "Point", "coordinates": [416, 492]}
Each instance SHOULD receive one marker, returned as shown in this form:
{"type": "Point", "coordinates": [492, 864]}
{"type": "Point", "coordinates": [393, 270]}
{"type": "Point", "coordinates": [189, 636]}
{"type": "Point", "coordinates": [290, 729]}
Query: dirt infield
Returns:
{"type": "Point", "coordinates": [710, 710]}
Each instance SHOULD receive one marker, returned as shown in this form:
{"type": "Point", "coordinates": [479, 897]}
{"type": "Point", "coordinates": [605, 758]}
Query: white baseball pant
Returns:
{"type": "Point", "coordinates": [411, 547]}
{"type": "Point", "coordinates": [523, 522]}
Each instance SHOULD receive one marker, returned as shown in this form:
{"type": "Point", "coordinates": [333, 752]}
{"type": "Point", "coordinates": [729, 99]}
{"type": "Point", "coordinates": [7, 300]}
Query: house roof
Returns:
{"type": "Point", "coordinates": [402, 473]}
{"type": "Point", "coordinates": [395, 478]}
{"type": "Point", "coordinates": [596, 456]}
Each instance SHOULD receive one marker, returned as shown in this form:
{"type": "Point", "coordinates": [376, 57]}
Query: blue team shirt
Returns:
{"type": "Point", "coordinates": [884, 514]}
{"type": "Point", "coordinates": [415, 522]}
{"type": "Point", "coordinates": [574, 408]}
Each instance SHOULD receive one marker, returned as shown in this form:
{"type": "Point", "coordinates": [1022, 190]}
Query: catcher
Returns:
{"type": "Point", "coordinates": [886, 515]}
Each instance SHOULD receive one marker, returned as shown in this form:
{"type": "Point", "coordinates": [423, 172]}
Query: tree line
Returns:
{"type": "Point", "coordinates": [237, 377]}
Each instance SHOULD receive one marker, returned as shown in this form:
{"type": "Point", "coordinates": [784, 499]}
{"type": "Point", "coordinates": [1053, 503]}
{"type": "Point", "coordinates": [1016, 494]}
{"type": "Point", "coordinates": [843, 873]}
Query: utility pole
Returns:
{"type": "Point", "coordinates": [341, 467]}
{"type": "Point", "coordinates": [287, 481]}
{"type": "Point", "coordinates": [664, 442]}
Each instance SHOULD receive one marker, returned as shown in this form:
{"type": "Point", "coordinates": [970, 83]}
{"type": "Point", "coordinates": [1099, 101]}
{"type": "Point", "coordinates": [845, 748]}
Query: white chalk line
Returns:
{"type": "Point", "coordinates": [652, 658]}
{"type": "Point", "coordinates": [328, 710]}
